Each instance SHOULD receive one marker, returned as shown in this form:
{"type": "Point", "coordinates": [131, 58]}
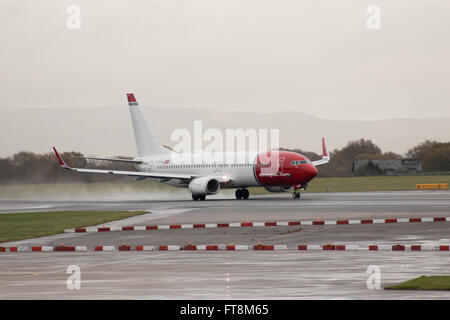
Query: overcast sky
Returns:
{"type": "Point", "coordinates": [317, 56]}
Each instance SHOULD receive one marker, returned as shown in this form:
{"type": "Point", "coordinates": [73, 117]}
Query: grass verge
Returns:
{"type": "Point", "coordinates": [357, 184]}
{"type": "Point", "coordinates": [423, 283]}
{"type": "Point", "coordinates": [26, 225]}
{"type": "Point", "coordinates": [378, 183]}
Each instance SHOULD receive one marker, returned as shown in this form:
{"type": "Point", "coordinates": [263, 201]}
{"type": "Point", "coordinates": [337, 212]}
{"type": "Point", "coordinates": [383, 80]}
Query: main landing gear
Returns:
{"type": "Point", "coordinates": [242, 194]}
{"type": "Point", "coordinates": [196, 197]}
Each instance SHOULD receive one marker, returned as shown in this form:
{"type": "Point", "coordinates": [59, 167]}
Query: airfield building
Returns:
{"type": "Point", "coordinates": [392, 166]}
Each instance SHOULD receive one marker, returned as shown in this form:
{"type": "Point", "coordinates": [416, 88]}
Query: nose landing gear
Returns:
{"type": "Point", "coordinates": [296, 195]}
{"type": "Point", "coordinates": [242, 194]}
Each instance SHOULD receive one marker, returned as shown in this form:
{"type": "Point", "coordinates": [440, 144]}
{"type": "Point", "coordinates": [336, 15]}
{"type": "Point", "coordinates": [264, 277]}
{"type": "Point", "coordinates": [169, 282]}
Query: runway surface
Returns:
{"type": "Point", "coordinates": [238, 275]}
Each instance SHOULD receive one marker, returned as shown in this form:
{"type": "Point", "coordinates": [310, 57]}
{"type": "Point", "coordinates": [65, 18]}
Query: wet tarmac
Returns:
{"type": "Point", "coordinates": [237, 275]}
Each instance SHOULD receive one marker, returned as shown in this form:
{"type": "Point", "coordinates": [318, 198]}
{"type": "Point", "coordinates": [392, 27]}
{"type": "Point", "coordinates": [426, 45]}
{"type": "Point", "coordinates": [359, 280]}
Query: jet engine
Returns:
{"type": "Point", "coordinates": [204, 186]}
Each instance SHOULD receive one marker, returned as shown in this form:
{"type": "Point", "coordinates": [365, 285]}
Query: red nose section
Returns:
{"type": "Point", "coordinates": [312, 171]}
{"type": "Point", "coordinates": [283, 169]}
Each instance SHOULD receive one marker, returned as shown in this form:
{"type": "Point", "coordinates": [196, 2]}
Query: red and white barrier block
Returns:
{"type": "Point", "coordinates": [257, 224]}
{"type": "Point", "coordinates": [42, 248]}
{"type": "Point", "coordinates": [236, 247]}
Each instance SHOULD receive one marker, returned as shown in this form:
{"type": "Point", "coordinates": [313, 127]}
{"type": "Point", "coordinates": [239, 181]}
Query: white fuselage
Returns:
{"type": "Point", "coordinates": [235, 166]}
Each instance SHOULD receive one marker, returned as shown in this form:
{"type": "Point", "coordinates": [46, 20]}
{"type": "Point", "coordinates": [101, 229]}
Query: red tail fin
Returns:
{"type": "Point", "coordinates": [131, 99]}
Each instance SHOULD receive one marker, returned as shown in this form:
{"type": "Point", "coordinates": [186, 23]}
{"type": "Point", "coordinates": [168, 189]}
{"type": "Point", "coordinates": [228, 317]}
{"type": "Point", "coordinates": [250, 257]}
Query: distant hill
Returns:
{"type": "Point", "coordinates": [107, 130]}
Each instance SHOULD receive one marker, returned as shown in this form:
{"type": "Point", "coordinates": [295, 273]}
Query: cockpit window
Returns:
{"type": "Point", "coordinates": [298, 162]}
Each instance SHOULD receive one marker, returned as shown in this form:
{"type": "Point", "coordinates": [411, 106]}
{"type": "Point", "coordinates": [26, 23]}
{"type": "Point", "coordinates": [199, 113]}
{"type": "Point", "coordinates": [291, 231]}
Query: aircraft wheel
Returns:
{"type": "Point", "coordinates": [296, 195]}
{"type": "Point", "coordinates": [239, 194]}
{"type": "Point", "coordinates": [202, 197]}
{"type": "Point", "coordinates": [195, 197]}
{"type": "Point", "coordinates": [245, 194]}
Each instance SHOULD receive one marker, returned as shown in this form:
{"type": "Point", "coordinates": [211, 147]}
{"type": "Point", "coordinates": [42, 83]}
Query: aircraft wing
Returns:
{"type": "Point", "coordinates": [126, 173]}
{"type": "Point", "coordinates": [325, 157]}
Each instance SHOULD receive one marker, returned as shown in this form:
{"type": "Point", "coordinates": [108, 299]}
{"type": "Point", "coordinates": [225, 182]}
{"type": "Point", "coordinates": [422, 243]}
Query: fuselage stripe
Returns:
{"type": "Point", "coordinates": [255, 162]}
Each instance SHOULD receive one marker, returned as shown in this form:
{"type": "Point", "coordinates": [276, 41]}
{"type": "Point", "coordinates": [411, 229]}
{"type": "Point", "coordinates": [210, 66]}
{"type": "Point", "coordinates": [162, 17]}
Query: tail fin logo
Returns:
{"type": "Point", "coordinates": [131, 99]}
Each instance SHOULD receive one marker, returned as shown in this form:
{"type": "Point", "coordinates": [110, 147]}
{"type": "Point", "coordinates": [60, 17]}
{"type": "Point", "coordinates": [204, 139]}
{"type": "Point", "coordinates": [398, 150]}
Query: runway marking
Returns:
{"type": "Point", "coordinates": [256, 224]}
{"type": "Point", "coordinates": [145, 218]}
{"type": "Point", "coordinates": [241, 247]}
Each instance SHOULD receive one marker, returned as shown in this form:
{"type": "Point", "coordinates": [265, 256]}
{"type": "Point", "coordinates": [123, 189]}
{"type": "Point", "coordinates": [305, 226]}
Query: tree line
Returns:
{"type": "Point", "coordinates": [28, 167]}
{"type": "Point", "coordinates": [434, 157]}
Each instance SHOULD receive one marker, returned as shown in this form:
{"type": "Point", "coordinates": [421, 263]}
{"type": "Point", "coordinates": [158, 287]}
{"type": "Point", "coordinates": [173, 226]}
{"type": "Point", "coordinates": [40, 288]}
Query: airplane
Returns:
{"type": "Point", "coordinates": [289, 171]}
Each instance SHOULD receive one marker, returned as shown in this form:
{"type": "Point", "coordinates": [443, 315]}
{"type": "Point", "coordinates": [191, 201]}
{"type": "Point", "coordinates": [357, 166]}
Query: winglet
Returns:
{"type": "Point", "coordinates": [324, 148]}
{"type": "Point", "coordinates": [60, 159]}
{"type": "Point", "coordinates": [325, 157]}
{"type": "Point", "coordinates": [131, 99]}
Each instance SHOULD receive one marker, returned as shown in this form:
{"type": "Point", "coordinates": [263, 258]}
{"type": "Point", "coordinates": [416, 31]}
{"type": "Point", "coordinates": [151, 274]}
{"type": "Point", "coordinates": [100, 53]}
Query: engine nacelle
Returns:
{"type": "Point", "coordinates": [279, 189]}
{"type": "Point", "coordinates": [204, 186]}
